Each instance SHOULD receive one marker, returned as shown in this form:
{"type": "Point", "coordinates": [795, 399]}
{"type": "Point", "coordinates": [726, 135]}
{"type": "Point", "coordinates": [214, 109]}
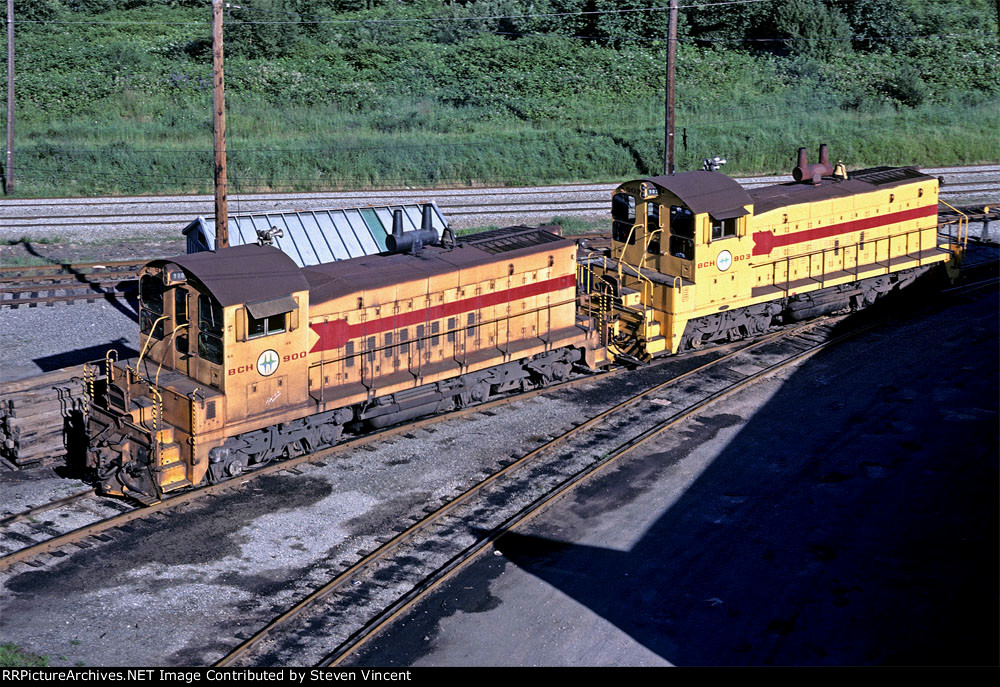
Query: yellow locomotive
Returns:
{"type": "Point", "coordinates": [695, 258]}
{"type": "Point", "coordinates": [246, 357]}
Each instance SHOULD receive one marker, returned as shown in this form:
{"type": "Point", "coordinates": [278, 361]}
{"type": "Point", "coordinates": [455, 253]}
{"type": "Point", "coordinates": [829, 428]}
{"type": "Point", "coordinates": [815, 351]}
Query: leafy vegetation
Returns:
{"type": "Point", "coordinates": [114, 96]}
{"type": "Point", "coordinates": [12, 656]}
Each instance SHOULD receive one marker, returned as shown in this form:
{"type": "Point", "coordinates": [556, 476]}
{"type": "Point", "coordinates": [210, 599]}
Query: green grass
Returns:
{"type": "Point", "coordinates": [271, 152]}
{"type": "Point", "coordinates": [580, 225]}
{"type": "Point", "coordinates": [408, 106]}
{"type": "Point", "coordinates": [12, 656]}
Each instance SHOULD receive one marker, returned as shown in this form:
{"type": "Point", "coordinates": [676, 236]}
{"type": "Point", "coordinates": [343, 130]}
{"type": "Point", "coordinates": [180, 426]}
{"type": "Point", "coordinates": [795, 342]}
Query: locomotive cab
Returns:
{"type": "Point", "coordinates": [672, 235]}
{"type": "Point", "coordinates": [209, 359]}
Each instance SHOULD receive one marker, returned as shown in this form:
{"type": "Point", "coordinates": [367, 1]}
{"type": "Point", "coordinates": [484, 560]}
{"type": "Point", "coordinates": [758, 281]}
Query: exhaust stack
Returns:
{"type": "Point", "coordinates": [411, 241]}
{"type": "Point", "coordinates": [813, 174]}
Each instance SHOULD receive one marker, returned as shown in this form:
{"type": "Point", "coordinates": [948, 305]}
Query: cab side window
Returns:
{"type": "Point", "coordinates": [652, 225]}
{"type": "Point", "coordinates": [272, 324]}
{"type": "Point", "coordinates": [681, 232]}
{"type": "Point", "coordinates": [210, 329]}
{"type": "Point", "coordinates": [151, 306]}
{"type": "Point", "coordinates": [723, 228]}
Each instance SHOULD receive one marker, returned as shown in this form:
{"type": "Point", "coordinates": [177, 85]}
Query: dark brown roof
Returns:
{"type": "Point", "coordinates": [768, 198]}
{"type": "Point", "coordinates": [336, 279]}
{"type": "Point", "coordinates": [702, 191]}
{"type": "Point", "coordinates": [242, 273]}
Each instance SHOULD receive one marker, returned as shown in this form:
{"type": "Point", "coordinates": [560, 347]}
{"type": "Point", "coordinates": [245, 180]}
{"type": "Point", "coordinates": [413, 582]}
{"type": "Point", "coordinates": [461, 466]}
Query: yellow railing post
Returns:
{"type": "Point", "coordinates": [109, 366]}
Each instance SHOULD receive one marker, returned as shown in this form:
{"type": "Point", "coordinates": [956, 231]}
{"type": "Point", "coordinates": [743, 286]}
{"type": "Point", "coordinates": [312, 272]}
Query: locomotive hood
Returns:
{"type": "Point", "coordinates": [240, 273]}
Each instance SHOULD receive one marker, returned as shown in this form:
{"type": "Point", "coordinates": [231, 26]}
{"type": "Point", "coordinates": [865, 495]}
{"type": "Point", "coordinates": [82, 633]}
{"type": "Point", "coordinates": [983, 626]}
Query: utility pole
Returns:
{"type": "Point", "coordinates": [668, 134]}
{"type": "Point", "coordinates": [9, 164]}
{"type": "Point", "coordinates": [218, 129]}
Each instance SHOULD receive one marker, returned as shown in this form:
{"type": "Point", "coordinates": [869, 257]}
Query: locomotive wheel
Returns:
{"type": "Point", "coordinates": [480, 391]}
{"type": "Point", "coordinates": [234, 468]}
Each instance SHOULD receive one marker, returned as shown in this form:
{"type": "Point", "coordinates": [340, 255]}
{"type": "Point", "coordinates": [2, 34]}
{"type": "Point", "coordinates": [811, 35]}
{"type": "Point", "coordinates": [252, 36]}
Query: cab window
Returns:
{"type": "Point", "coordinates": [723, 228]}
{"type": "Point", "coordinates": [272, 324]}
{"type": "Point", "coordinates": [623, 216]}
{"type": "Point", "coordinates": [151, 305]}
{"type": "Point", "coordinates": [681, 232]}
{"type": "Point", "coordinates": [210, 326]}
{"type": "Point", "coordinates": [653, 225]}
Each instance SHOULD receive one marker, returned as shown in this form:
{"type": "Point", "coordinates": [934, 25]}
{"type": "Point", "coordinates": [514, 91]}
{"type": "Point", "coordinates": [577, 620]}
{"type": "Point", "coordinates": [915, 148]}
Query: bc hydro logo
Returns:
{"type": "Point", "coordinates": [267, 363]}
{"type": "Point", "coordinates": [724, 261]}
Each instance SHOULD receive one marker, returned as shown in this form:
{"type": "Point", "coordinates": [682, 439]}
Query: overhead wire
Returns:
{"type": "Point", "coordinates": [400, 20]}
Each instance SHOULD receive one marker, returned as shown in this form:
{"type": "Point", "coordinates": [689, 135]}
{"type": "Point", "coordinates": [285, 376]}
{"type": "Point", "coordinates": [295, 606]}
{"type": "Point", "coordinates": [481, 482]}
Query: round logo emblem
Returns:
{"type": "Point", "coordinates": [724, 261]}
{"type": "Point", "coordinates": [267, 363]}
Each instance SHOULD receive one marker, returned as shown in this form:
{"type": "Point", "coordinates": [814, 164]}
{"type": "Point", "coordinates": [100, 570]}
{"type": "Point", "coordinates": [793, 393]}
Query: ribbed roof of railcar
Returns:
{"type": "Point", "coordinates": [336, 279]}
{"type": "Point", "coordinates": [767, 198]}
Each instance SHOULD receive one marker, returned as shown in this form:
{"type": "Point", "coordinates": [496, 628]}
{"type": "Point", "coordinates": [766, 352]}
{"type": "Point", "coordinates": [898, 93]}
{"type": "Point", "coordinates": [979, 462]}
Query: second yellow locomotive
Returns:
{"type": "Point", "coordinates": [695, 258]}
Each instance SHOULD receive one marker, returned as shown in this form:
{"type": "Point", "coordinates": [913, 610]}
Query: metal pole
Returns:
{"type": "Point", "coordinates": [668, 138]}
{"type": "Point", "coordinates": [219, 129]}
{"type": "Point", "coordinates": [9, 165]}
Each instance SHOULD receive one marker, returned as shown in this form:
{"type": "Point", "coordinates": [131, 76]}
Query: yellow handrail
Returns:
{"type": "Point", "coordinates": [193, 397]}
{"type": "Point", "coordinates": [109, 366]}
{"type": "Point", "coordinates": [157, 410]}
{"type": "Point", "coordinates": [172, 335]}
{"type": "Point", "coordinates": [963, 237]}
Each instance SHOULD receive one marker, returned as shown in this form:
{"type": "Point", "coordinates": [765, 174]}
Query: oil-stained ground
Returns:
{"type": "Point", "coordinates": [843, 514]}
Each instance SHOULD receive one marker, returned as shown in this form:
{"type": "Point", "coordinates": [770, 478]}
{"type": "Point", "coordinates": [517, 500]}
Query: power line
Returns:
{"type": "Point", "coordinates": [407, 20]}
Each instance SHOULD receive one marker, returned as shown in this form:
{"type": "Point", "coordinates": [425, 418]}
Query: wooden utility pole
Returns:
{"type": "Point", "coordinates": [9, 164]}
{"type": "Point", "coordinates": [219, 129]}
{"type": "Point", "coordinates": [668, 135]}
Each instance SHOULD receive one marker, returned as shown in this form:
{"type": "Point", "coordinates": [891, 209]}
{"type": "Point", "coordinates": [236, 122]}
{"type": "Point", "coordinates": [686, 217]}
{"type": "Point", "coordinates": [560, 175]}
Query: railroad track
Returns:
{"type": "Point", "coordinates": [78, 529]}
{"type": "Point", "coordinates": [611, 435]}
{"type": "Point", "coordinates": [464, 207]}
{"type": "Point", "coordinates": [563, 464]}
{"type": "Point", "coordinates": [337, 618]}
{"type": "Point", "coordinates": [37, 285]}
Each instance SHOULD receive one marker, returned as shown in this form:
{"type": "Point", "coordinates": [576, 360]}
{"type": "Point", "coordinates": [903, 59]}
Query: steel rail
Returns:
{"type": "Point", "coordinates": [386, 548]}
{"type": "Point", "coordinates": [25, 514]}
{"type": "Point", "coordinates": [587, 207]}
{"type": "Point", "coordinates": [760, 180]}
{"type": "Point", "coordinates": [180, 499]}
{"type": "Point", "coordinates": [456, 200]}
{"type": "Point", "coordinates": [533, 509]}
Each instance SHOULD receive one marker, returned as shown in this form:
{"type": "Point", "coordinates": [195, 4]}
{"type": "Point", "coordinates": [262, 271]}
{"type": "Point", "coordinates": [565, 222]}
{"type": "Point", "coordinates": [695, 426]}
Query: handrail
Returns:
{"type": "Point", "coordinates": [149, 338]}
{"type": "Point", "coordinates": [157, 410]}
{"type": "Point", "coordinates": [194, 397]}
{"type": "Point", "coordinates": [962, 238]}
{"type": "Point", "coordinates": [172, 335]}
{"type": "Point", "coordinates": [109, 366]}
{"type": "Point", "coordinates": [875, 242]}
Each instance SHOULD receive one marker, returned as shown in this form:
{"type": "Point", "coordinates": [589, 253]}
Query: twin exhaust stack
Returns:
{"type": "Point", "coordinates": [813, 173]}
{"type": "Point", "coordinates": [413, 241]}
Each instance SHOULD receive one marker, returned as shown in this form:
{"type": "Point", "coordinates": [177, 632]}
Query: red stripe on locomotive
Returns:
{"type": "Point", "coordinates": [336, 333]}
{"type": "Point", "coordinates": [766, 241]}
